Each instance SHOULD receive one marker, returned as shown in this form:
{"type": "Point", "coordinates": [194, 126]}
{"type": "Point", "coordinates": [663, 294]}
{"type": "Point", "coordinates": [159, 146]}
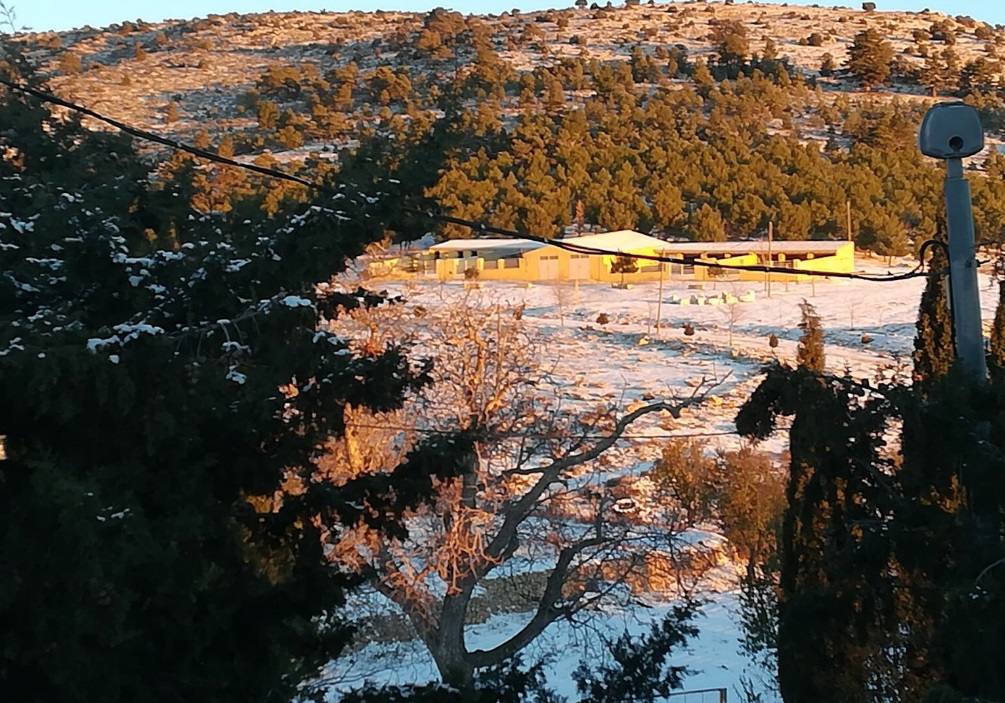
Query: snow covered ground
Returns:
{"type": "Point", "coordinates": [713, 658]}
{"type": "Point", "coordinates": [869, 329]}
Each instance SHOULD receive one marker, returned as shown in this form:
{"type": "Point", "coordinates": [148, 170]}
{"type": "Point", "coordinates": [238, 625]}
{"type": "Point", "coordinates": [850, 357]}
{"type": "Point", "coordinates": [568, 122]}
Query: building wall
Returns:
{"type": "Point", "coordinates": [530, 265]}
{"type": "Point", "coordinates": [842, 261]}
{"type": "Point", "coordinates": [600, 268]}
{"type": "Point", "coordinates": [703, 273]}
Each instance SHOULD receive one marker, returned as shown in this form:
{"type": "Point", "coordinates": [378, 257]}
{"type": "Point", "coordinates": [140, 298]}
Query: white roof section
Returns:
{"type": "Point", "coordinates": [622, 240]}
{"type": "Point", "coordinates": [481, 244]}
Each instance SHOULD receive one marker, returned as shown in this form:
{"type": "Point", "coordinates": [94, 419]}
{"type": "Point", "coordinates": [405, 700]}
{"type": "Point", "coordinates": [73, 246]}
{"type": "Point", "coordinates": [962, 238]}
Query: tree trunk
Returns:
{"type": "Point", "coordinates": [447, 643]}
{"type": "Point", "coordinates": [469, 479]}
{"type": "Point", "coordinates": [454, 670]}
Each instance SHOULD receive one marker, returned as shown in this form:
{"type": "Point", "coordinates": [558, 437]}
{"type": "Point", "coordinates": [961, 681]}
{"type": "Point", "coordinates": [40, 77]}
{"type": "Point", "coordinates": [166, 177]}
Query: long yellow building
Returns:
{"type": "Point", "coordinates": [526, 260]}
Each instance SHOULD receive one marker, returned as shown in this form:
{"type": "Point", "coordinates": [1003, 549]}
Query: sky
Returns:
{"type": "Point", "coordinates": [41, 15]}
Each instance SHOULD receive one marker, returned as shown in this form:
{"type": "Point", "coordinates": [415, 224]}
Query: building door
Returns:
{"type": "Point", "coordinates": [548, 268]}
{"type": "Point", "coordinates": [579, 267]}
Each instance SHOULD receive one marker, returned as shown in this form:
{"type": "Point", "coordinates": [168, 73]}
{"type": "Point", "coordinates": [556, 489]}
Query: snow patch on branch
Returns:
{"type": "Point", "coordinates": [295, 301]}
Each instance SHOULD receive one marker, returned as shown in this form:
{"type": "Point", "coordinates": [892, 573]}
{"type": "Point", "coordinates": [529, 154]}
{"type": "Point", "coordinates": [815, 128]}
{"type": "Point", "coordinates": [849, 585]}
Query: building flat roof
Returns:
{"type": "Point", "coordinates": [628, 240]}
{"type": "Point", "coordinates": [760, 247]}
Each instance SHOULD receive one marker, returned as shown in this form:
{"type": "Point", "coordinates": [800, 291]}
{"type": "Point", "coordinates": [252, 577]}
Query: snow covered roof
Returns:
{"type": "Point", "coordinates": [480, 244]}
{"type": "Point", "coordinates": [621, 240]}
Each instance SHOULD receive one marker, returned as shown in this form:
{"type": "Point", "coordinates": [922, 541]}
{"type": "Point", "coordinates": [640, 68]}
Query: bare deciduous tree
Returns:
{"type": "Point", "coordinates": [536, 502]}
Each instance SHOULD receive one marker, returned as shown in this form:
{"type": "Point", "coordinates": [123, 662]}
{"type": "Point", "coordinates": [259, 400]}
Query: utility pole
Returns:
{"type": "Point", "coordinates": [952, 131]}
{"type": "Point", "coordinates": [659, 299]}
{"type": "Point", "coordinates": [767, 274]}
{"type": "Point", "coordinates": [847, 214]}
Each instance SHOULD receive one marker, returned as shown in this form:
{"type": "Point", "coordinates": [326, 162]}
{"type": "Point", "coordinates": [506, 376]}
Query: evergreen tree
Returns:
{"type": "Point", "coordinates": [869, 58]}
{"type": "Point", "coordinates": [951, 71]}
{"type": "Point", "coordinates": [703, 78]}
{"type": "Point", "coordinates": [624, 264]}
{"type": "Point", "coordinates": [810, 353]}
{"type": "Point", "coordinates": [70, 64]}
{"type": "Point", "coordinates": [890, 583]}
{"type": "Point", "coordinates": [827, 65]}
{"type": "Point", "coordinates": [731, 44]}
{"type": "Point", "coordinates": [946, 535]}
{"type": "Point", "coordinates": [834, 580]}
{"type": "Point", "coordinates": [157, 505]}
{"type": "Point", "coordinates": [934, 352]}
{"type": "Point", "coordinates": [979, 76]}
{"type": "Point", "coordinates": [933, 74]}
{"type": "Point", "coordinates": [171, 112]}
{"type": "Point", "coordinates": [996, 356]}
{"type": "Point", "coordinates": [268, 115]}
{"type": "Point", "coordinates": [706, 225]}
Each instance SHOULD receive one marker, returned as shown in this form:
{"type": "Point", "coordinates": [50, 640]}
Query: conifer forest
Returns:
{"type": "Point", "coordinates": [610, 353]}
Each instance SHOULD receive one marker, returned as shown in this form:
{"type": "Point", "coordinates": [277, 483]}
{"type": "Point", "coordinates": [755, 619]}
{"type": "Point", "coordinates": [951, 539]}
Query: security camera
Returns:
{"type": "Point", "coordinates": [951, 131]}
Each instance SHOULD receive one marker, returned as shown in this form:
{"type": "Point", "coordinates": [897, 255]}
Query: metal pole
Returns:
{"type": "Point", "coordinates": [963, 271]}
{"type": "Point", "coordinates": [952, 132]}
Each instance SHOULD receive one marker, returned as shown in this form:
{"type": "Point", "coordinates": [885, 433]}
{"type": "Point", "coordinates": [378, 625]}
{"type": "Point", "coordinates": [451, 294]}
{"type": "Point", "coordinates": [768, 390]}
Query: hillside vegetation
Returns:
{"type": "Point", "coordinates": [696, 120]}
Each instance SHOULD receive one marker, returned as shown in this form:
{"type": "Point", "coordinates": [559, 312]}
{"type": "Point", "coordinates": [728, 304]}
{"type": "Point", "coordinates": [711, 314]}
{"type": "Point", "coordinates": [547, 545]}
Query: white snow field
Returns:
{"type": "Point", "coordinates": [869, 331]}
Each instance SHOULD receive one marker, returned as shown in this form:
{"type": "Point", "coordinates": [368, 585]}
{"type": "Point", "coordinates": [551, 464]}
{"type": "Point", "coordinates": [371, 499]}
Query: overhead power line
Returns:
{"type": "Point", "coordinates": [545, 435]}
{"type": "Point", "coordinates": [479, 227]}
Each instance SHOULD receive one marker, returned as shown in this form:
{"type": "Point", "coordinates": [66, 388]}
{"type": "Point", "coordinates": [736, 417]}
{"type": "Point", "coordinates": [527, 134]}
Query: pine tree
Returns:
{"type": "Point", "coordinates": [731, 45]}
{"type": "Point", "coordinates": [996, 357]}
{"type": "Point", "coordinates": [951, 69]}
{"type": "Point", "coordinates": [226, 147]}
{"type": "Point", "coordinates": [149, 443]}
{"type": "Point", "coordinates": [933, 75]}
{"type": "Point", "coordinates": [933, 341]}
{"type": "Point", "coordinates": [869, 58]}
{"type": "Point", "coordinates": [580, 216]}
{"type": "Point", "coordinates": [703, 79]}
{"type": "Point", "coordinates": [171, 112]}
{"type": "Point", "coordinates": [70, 64]}
{"type": "Point", "coordinates": [979, 76]}
{"type": "Point", "coordinates": [268, 115]}
{"type": "Point", "coordinates": [827, 65]}
{"type": "Point", "coordinates": [624, 264]}
{"type": "Point", "coordinates": [706, 225]}
{"type": "Point", "coordinates": [810, 353]}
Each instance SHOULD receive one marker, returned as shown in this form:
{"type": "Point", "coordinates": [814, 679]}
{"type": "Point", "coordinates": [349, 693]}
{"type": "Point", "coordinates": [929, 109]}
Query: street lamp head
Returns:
{"type": "Point", "coordinates": [951, 131]}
